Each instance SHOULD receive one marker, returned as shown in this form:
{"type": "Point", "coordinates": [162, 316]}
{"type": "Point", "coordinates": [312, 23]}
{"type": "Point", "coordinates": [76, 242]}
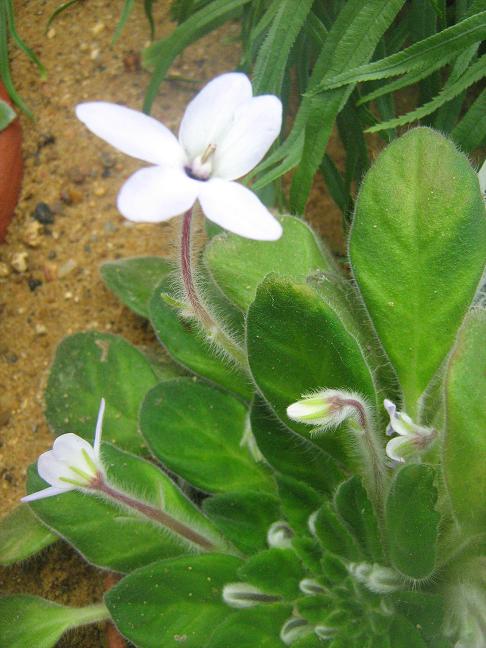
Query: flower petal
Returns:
{"type": "Point", "coordinates": [238, 210]}
{"type": "Point", "coordinates": [211, 111]}
{"type": "Point", "coordinates": [156, 194]}
{"type": "Point", "coordinates": [482, 179]}
{"type": "Point", "coordinates": [132, 132]}
{"type": "Point", "coordinates": [398, 447]}
{"type": "Point", "coordinates": [68, 449]}
{"type": "Point", "coordinates": [51, 469]}
{"type": "Point", "coordinates": [99, 429]}
{"type": "Point", "coordinates": [46, 492]}
{"type": "Point", "coordinates": [256, 125]}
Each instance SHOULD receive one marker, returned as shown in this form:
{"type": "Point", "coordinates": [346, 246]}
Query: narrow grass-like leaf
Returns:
{"type": "Point", "coordinates": [21, 44]}
{"type": "Point", "coordinates": [125, 14]}
{"type": "Point", "coordinates": [59, 10]}
{"type": "Point", "coordinates": [148, 8]}
{"type": "Point", "coordinates": [5, 74]}
{"type": "Point", "coordinates": [475, 73]}
{"type": "Point", "coordinates": [470, 132]}
{"type": "Point", "coordinates": [427, 52]}
{"type": "Point", "coordinates": [272, 59]}
{"type": "Point", "coordinates": [161, 54]}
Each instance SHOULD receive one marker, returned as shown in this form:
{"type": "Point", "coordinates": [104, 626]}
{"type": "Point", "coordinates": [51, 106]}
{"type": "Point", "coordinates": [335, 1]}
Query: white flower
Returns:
{"type": "Point", "coordinates": [224, 133]}
{"type": "Point", "coordinates": [412, 439]}
{"type": "Point", "coordinates": [71, 464]}
{"type": "Point", "coordinates": [327, 408]}
{"type": "Point", "coordinates": [482, 180]}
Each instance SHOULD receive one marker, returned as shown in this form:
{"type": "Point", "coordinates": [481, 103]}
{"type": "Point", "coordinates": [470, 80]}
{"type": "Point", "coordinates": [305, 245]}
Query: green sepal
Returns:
{"type": "Point", "coordinates": [173, 602]}
{"type": "Point", "coordinates": [87, 367]}
{"type": "Point", "coordinates": [274, 571]}
{"type": "Point", "coordinates": [22, 535]}
{"type": "Point", "coordinates": [313, 608]}
{"type": "Point", "coordinates": [412, 521]}
{"type": "Point", "coordinates": [243, 517]}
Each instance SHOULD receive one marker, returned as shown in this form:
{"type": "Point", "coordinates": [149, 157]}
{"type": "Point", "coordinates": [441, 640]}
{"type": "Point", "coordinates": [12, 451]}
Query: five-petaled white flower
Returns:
{"type": "Point", "coordinates": [71, 464]}
{"type": "Point", "coordinates": [412, 438]}
{"type": "Point", "coordinates": [224, 133]}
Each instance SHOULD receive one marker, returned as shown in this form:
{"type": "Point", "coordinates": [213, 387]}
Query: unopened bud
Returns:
{"type": "Point", "coordinates": [280, 535]}
{"type": "Point", "coordinates": [312, 587]}
{"type": "Point", "coordinates": [377, 578]}
{"type": "Point", "coordinates": [244, 595]}
{"type": "Point", "coordinates": [324, 632]}
{"type": "Point", "coordinates": [293, 629]}
{"type": "Point", "coordinates": [328, 408]}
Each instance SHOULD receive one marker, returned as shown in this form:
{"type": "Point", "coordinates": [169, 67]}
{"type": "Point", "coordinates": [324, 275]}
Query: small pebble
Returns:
{"type": "Point", "coordinates": [131, 61]}
{"type": "Point", "coordinates": [98, 28]}
{"type": "Point", "coordinates": [93, 55]}
{"type": "Point", "coordinates": [76, 175]}
{"type": "Point", "coordinates": [20, 262]}
{"type": "Point", "coordinates": [34, 283]}
{"type": "Point", "coordinates": [99, 191]}
{"type": "Point", "coordinates": [71, 196]}
{"type": "Point", "coordinates": [46, 140]}
{"type": "Point", "coordinates": [67, 267]}
{"type": "Point", "coordinates": [50, 271]}
{"type": "Point", "coordinates": [32, 234]}
{"type": "Point", "coordinates": [51, 33]}
{"type": "Point", "coordinates": [43, 214]}
{"type": "Point", "coordinates": [4, 270]}
{"type": "Point", "coordinates": [40, 329]}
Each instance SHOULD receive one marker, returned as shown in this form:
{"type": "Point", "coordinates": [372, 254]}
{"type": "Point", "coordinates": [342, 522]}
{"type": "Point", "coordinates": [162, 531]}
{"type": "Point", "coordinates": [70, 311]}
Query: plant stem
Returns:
{"type": "Point", "coordinates": [90, 614]}
{"type": "Point", "coordinates": [193, 297]}
{"type": "Point", "coordinates": [166, 520]}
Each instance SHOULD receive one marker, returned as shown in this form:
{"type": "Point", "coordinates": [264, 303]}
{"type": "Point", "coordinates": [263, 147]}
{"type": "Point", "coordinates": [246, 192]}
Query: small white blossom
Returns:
{"type": "Point", "coordinates": [412, 439]}
{"type": "Point", "coordinates": [72, 464]}
{"type": "Point", "coordinates": [327, 408]}
{"type": "Point", "coordinates": [244, 595]}
{"type": "Point", "coordinates": [224, 133]}
{"type": "Point", "coordinates": [280, 535]}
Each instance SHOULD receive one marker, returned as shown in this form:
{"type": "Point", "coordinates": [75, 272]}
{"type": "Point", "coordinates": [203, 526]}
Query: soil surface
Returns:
{"type": "Point", "coordinates": [49, 280]}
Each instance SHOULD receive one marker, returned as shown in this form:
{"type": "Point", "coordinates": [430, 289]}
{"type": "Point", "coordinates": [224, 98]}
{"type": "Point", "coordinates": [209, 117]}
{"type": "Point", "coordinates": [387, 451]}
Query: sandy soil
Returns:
{"type": "Point", "coordinates": [59, 291]}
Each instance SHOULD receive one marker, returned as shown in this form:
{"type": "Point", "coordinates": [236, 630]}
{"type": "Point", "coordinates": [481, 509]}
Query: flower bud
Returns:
{"type": "Point", "coordinates": [244, 595]}
{"type": "Point", "coordinates": [280, 535]}
{"type": "Point", "coordinates": [312, 587]}
{"type": "Point", "coordinates": [328, 408]}
{"type": "Point", "coordinates": [293, 629]}
{"type": "Point", "coordinates": [377, 578]}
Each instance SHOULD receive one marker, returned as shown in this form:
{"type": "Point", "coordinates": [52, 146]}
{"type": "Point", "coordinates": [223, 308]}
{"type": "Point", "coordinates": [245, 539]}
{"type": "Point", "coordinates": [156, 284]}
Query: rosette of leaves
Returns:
{"type": "Point", "coordinates": [301, 550]}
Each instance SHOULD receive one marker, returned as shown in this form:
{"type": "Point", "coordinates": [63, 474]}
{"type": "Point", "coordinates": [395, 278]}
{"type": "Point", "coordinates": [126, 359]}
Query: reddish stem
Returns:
{"type": "Point", "coordinates": [113, 637]}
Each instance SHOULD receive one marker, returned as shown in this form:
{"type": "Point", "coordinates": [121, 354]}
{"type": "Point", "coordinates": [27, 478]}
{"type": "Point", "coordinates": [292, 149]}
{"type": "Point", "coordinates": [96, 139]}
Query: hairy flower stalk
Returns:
{"type": "Point", "coordinates": [73, 464]}
{"type": "Point", "coordinates": [329, 408]}
{"type": "Point", "coordinates": [196, 303]}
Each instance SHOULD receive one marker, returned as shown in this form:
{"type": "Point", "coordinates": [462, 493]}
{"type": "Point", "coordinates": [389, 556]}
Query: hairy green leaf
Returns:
{"type": "Point", "coordinates": [22, 535]}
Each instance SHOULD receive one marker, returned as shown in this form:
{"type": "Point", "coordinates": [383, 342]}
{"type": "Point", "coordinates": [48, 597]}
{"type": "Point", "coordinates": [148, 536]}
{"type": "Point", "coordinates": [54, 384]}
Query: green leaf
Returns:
{"type": "Point", "coordinates": [161, 54]}
{"type": "Point", "coordinates": [238, 265]}
{"type": "Point", "coordinates": [297, 344]}
{"type": "Point", "coordinates": [412, 521]}
{"type": "Point", "coordinates": [134, 280]}
{"type": "Point", "coordinates": [475, 73]}
{"type": "Point", "coordinates": [334, 536]}
{"type": "Point", "coordinates": [258, 626]}
{"type": "Point", "coordinates": [244, 517]}
{"type": "Point", "coordinates": [290, 454]}
{"type": "Point", "coordinates": [272, 60]}
{"type": "Point", "coordinates": [198, 432]}
{"type": "Point", "coordinates": [87, 367]}
{"type": "Point", "coordinates": [22, 535]}
{"type": "Point", "coordinates": [429, 51]}
{"type": "Point", "coordinates": [125, 14]}
{"type": "Point", "coordinates": [464, 444]}
{"type": "Point", "coordinates": [173, 602]}
{"type": "Point", "coordinates": [7, 114]}
{"type": "Point", "coordinates": [470, 132]}
{"type": "Point", "coordinates": [418, 210]}
{"type": "Point", "coordinates": [424, 610]}
{"type": "Point", "coordinates": [299, 501]}
{"type": "Point", "coordinates": [186, 345]}
{"type": "Point", "coordinates": [117, 538]}
{"type": "Point", "coordinates": [405, 634]}
{"type": "Point", "coordinates": [33, 621]}
{"type": "Point", "coordinates": [274, 571]}
{"type": "Point", "coordinates": [353, 505]}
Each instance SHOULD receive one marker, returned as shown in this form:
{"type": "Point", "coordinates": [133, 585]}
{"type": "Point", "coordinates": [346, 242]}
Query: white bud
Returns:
{"type": "Point", "coordinates": [293, 629]}
{"type": "Point", "coordinates": [244, 595]}
{"type": "Point", "coordinates": [377, 578]}
{"type": "Point", "coordinates": [324, 632]}
{"type": "Point", "coordinates": [328, 408]}
{"type": "Point", "coordinates": [280, 535]}
{"type": "Point", "coordinates": [311, 586]}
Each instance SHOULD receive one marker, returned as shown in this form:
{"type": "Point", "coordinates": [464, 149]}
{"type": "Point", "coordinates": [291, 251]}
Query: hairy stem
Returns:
{"type": "Point", "coordinates": [193, 297]}
{"type": "Point", "coordinates": [166, 520]}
